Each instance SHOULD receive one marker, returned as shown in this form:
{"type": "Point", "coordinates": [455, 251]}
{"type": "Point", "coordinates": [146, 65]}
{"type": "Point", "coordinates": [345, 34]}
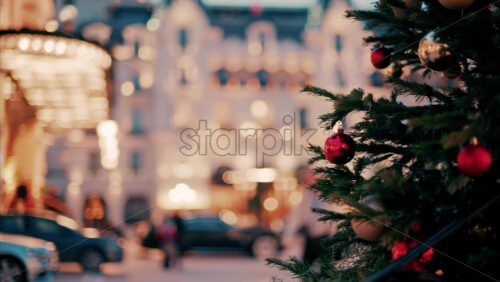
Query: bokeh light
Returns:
{"type": "Point", "coordinates": [270, 204]}
{"type": "Point", "coordinates": [146, 80]}
{"type": "Point", "coordinates": [228, 217]}
{"type": "Point", "coordinates": [295, 198]}
{"type": "Point", "coordinates": [127, 88]}
{"type": "Point", "coordinates": [259, 108]}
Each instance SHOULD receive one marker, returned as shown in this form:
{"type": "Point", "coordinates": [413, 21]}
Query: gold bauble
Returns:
{"type": "Point", "coordinates": [434, 53]}
{"type": "Point", "coordinates": [366, 230]}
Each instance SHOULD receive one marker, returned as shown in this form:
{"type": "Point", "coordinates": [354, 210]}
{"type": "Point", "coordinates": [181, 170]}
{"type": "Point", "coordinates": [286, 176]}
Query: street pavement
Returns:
{"type": "Point", "coordinates": [198, 266]}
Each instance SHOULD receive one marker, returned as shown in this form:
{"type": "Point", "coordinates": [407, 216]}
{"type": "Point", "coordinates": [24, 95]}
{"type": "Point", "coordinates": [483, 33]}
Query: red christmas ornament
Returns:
{"type": "Point", "coordinates": [401, 248]}
{"type": "Point", "coordinates": [381, 58]}
{"type": "Point", "coordinates": [415, 228]}
{"type": "Point", "coordinates": [339, 148]}
{"type": "Point", "coordinates": [474, 160]}
{"type": "Point", "coordinates": [426, 256]}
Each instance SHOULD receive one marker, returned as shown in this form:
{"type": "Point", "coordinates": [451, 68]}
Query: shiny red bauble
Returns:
{"type": "Point", "coordinates": [339, 148]}
{"type": "Point", "coordinates": [474, 160]}
{"type": "Point", "coordinates": [401, 248]}
{"type": "Point", "coordinates": [381, 58]}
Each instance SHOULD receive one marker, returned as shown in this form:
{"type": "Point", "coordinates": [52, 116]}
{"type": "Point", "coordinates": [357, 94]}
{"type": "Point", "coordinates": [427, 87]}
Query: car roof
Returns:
{"type": "Point", "coordinates": [58, 218]}
{"type": "Point", "coordinates": [43, 214]}
{"type": "Point", "coordinates": [23, 240]}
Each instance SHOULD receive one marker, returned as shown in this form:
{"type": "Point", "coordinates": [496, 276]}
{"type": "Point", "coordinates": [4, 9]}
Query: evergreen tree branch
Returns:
{"type": "Point", "coordinates": [312, 90]}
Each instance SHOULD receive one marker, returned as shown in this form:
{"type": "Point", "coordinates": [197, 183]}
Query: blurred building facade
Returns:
{"type": "Point", "coordinates": [183, 67]}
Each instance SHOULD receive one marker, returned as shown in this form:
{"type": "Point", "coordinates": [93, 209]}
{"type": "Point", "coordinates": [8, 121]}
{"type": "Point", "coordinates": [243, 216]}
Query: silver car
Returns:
{"type": "Point", "coordinates": [24, 258]}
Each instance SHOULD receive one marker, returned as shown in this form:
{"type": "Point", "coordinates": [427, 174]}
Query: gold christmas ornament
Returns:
{"type": "Point", "coordinates": [434, 54]}
{"type": "Point", "coordinates": [456, 4]}
{"type": "Point", "coordinates": [400, 13]}
{"type": "Point", "coordinates": [395, 70]}
{"type": "Point", "coordinates": [366, 230]}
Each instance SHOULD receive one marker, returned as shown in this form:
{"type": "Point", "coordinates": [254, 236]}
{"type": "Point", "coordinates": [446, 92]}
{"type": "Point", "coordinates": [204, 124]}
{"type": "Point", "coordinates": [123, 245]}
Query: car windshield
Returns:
{"type": "Point", "coordinates": [68, 222]}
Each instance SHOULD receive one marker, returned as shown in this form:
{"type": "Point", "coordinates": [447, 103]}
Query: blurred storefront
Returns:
{"type": "Point", "coordinates": [50, 82]}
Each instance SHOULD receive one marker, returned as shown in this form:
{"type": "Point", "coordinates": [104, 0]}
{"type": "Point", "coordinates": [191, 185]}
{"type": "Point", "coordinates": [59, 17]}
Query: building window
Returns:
{"type": "Point", "coordinates": [377, 79]}
{"type": "Point", "coordinates": [137, 209]}
{"type": "Point", "coordinates": [263, 77]}
{"type": "Point", "coordinates": [183, 79]}
{"type": "Point", "coordinates": [136, 161]}
{"type": "Point", "coordinates": [137, 46]}
{"type": "Point", "coordinates": [183, 38]}
{"type": "Point", "coordinates": [303, 118]}
{"type": "Point", "coordinates": [94, 162]}
{"type": "Point", "coordinates": [340, 78]}
{"type": "Point", "coordinates": [137, 124]}
{"type": "Point", "coordinates": [222, 74]}
{"type": "Point", "coordinates": [338, 42]}
{"type": "Point", "coordinates": [243, 81]}
{"type": "Point", "coordinates": [262, 38]}
{"type": "Point", "coordinates": [137, 84]}
{"type": "Point", "coordinates": [56, 173]}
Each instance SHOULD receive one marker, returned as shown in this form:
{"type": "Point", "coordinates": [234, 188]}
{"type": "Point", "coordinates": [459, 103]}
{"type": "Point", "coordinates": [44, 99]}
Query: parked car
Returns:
{"type": "Point", "coordinates": [212, 232]}
{"type": "Point", "coordinates": [24, 258]}
{"type": "Point", "coordinates": [71, 244]}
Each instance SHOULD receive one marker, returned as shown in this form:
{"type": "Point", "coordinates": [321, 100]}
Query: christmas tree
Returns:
{"type": "Point", "coordinates": [421, 190]}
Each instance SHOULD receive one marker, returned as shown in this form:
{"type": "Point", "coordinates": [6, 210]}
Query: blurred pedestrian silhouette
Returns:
{"type": "Point", "coordinates": [21, 202]}
{"type": "Point", "coordinates": [179, 224]}
{"type": "Point", "coordinates": [303, 232]}
{"type": "Point", "coordinates": [168, 236]}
